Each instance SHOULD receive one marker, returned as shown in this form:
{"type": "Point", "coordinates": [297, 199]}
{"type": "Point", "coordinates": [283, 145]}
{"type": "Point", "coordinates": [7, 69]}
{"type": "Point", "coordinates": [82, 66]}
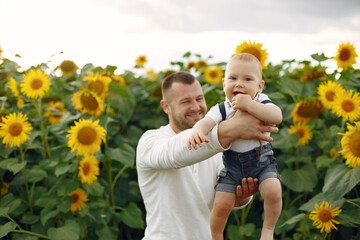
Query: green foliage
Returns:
{"type": "Point", "coordinates": [37, 177]}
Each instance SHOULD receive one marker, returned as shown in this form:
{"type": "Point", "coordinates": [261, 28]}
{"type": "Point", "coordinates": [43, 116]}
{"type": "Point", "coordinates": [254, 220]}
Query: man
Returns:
{"type": "Point", "coordinates": [177, 184]}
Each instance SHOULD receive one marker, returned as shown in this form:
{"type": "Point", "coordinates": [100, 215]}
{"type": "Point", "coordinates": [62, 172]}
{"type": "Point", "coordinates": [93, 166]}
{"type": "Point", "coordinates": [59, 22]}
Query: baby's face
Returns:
{"type": "Point", "coordinates": [242, 77]}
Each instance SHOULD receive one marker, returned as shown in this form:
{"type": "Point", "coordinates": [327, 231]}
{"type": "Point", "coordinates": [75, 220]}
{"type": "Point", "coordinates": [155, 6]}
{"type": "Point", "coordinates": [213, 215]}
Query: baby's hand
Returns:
{"type": "Point", "coordinates": [241, 101]}
{"type": "Point", "coordinates": [196, 138]}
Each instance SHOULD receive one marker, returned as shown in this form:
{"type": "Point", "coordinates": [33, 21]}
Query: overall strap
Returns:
{"type": "Point", "coordinates": [222, 110]}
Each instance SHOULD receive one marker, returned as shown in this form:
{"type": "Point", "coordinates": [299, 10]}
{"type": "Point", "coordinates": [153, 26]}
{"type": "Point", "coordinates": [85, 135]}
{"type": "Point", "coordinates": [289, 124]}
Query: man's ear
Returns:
{"type": "Point", "coordinates": [164, 106]}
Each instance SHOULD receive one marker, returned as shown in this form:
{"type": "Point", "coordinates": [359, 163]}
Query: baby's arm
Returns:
{"type": "Point", "coordinates": [199, 132]}
{"type": "Point", "coordinates": [268, 113]}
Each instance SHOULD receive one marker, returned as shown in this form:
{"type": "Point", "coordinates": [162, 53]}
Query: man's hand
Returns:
{"type": "Point", "coordinates": [243, 126]}
{"type": "Point", "coordinates": [249, 187]}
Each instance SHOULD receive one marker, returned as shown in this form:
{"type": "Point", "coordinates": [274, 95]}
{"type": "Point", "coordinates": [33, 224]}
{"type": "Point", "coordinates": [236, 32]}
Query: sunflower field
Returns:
{"type": "Point", "coordinates": [68, 139]}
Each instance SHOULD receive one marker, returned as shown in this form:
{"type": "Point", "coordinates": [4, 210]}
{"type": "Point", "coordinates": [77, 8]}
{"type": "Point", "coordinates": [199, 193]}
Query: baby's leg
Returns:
{"type": "Point", "coordinates": [223, 205]}
{"type": "Point", "coordinates": [270, 190]}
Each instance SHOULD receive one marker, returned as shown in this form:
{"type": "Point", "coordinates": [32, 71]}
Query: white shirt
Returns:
{"type": "Point", "coordinates": [238, 145]}
{"type": "Point", "coordinates": [177, 186]}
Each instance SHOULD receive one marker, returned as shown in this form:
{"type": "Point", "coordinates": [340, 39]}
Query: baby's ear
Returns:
{"type": "Point", "coordinates": [261, 86]}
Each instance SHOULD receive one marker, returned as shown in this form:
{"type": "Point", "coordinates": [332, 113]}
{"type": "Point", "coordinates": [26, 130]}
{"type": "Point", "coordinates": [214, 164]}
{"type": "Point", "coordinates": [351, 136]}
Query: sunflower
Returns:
{"type": "Point", "coordinates": [213, 74]}
{"type": "Point", "coordinates": [1, 52]}
{"type": "Point", "coordinates": [79, 198]}
{"type": "Point", "coordinates": [68, 68]}
{"type": "Point", "coordinates": [88, 102]}
{"type": "Point", "coordinates": [303, 131]}
{"type": "Point", "coordinates": [333, 153]}
{"type": "Point", "coordinates": [54, 117]}
{"type": "Point", "coordinates": [328, 91]}
{"type": "Point", "coordinates": [114, 78]}
{"type": "Point", "coordinates": [254, 49]}
{"type": "Point", "coordinates": [346, 56]}
{"type": "Point", "coordinates": [5, 189]}
{"type": "Point", "coordinates": [190, 65]}
{"type": "Point", "coordinates": [98, 83]}
{"type": "Point", "coordinates": [141, 60]}
{"type": "Point", "coordinates": [89, 169]}
{"type": "Point", "coordinates": [350, 144]}
{"type": "Point", "coordinates": [305, 110]}
{"type": "Point", "coordinates": [20, 102]}
{"type": "Point", "coordinates": [200, 65]}
{"type": "Point", "coordinates": [14, 129]}
{"type": "Point", "coordinates": [152, 75]}
{"type": "Point", "coordinates": [347, 105]}
{"type": "Point", "coordinates": [13, 85]}
{"type": "Point", "coordinates": [86, 136]}
{"type": "Point", "coordinates": [313, 75]}
{"type": "Point", "coordinates": [323, 217]}
{"type": "Point", "coordinates": [35, 83]}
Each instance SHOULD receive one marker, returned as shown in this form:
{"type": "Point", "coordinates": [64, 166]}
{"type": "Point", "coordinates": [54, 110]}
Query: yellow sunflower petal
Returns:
{"type": "Point", "coordinates": [323, 216]}
{"type": "Point", "coordinates": [303, 131]}
{"type": "Point", "coordinates": [350, 144]}
{"type": "Point", "coordinates": [346, 56]}
{"type": "Point", "coordinates": [14, 129]}
{"type": "Point", "coordinates": [79, 198]}
{"type": "Point", "coordinates": [141, 60]}
{"type": "Point", "coordinates": [88, 102]}
{"type": "Point", "coordinates": [213, 74]}
{"type": "Point", "coordinates": [86, 137]}
{"type": "Point", "coordinates": [347, 105]}
{"type": "Point", "coordinates": [35, 83]}
{"type": "Point", "coordinates": [328, 91]}
{"type": "Point", "coordinates": [254, 49]}
{"type": "Point", "coordinates": [89, 169]}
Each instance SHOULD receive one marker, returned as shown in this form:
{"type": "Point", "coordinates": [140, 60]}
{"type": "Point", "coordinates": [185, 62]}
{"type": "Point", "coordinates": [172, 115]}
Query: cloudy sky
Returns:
{"type": "Point", "coordinates": [117, 31]}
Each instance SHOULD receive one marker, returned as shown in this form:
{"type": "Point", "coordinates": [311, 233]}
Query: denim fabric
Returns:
{"type": "Point", "coordinates": [256, 163]}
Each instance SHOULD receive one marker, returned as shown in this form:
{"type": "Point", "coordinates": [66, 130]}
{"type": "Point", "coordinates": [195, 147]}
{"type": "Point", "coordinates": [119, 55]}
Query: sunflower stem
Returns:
{"type": "Point", "coordinates": [26, 180]}
{"type": "Point", "coordinates": [43, 131]}
{"type": "Point", "coordinates": [108, 166]}
{"type": "Point", "coordinates": [31, 233]}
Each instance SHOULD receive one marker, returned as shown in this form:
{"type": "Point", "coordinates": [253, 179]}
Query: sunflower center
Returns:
{"type": "Point", "coordinates": [254, 52]}
{"type": "Point", "coordinates": [348, 106]}
{"type": "Point", "coordinates": [301, 133]}
{"type": "Point", "coordinates": [213, 74]}
{"type": "Point", "coordinates": [86, 135]}
{"type": "Point", "coordinates": [86, 168]}
{"type": "Point", "coordinates": [36, 83]}
{"type": "Point", "coordinates": [15, 129]}
{"type": "Point", "coordinates": [75, 198]}
{"type": "Point", "coordinates": [325, 215]}
{"type": "Point", "coordinates": [355, 144]}
{"type": "Point", "coordinates": [344, 54]}
{"type": "Point", "coordinates": [68, 66]}
{"type": "Point", "coordinates": [97, 86]}
{"type": "Point", "coordinates": [330, 95]}
{"type": "Point", "coordinates": [310, 109]}
{"type": "Point", "coordinates": [89, 102]}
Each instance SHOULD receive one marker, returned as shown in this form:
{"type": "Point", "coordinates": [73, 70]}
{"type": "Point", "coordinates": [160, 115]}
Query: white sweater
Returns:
{"type": "Point", "coordinates": [177, 186]}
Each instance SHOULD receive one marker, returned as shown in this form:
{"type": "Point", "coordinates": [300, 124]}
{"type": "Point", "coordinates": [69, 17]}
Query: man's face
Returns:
{"type": "Point", "coordinates": [185, 105]}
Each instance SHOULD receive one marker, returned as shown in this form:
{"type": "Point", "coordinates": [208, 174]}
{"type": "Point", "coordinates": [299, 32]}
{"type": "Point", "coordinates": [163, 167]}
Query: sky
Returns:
{"type": "Point", "coordinates": [116, 32]}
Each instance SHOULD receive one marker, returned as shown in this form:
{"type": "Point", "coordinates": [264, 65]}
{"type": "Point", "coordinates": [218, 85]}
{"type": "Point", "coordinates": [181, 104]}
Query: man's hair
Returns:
{"type": "Point", "coordinates": [181, 77]}
{"type": "Point", "coordinates": [247, 57]}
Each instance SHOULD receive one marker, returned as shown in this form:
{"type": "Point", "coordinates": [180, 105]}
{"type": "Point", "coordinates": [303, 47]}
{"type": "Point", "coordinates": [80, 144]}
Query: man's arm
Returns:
{"type": "Point", "coordinates": [245, 126]}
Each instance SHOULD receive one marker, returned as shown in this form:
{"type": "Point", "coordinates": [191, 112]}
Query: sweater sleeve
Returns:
{"type": "Point", "coordinates": [160, 151]}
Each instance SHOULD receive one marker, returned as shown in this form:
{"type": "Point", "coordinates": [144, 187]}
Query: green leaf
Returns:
{"type": "Point", "coordinates": [318, 57]}
{"type": "Point", "coordinates": [70, 231]}
{"type": "Point", "coordinates": [6, 228]}
{"type": "Point", "coordinates": [12, 165]}
{"type": "Point", "coordinates": [340, 179]}
{"type": "Point", "coordinates": [104, 232]}
{"type": "Point", "coordinates": [350, 217]}
{"type": "Point", "coordinates": [4, 212]}
{"type": "Point", "coordinates": [324, 161]}
{"type": "Point", "coordinates": [47, 214]}
{"type": "Point", "coordinates": [119, 90]}
{"type": "Point", "coordinates": [36, 175]}
{"type": "Point", "coordinates": [132, 216]}
{"type": "Point", "coordinates": [293, 220]}
{"type": "Point", "coordinates": [65, 204]}
{"type": "Point", "coordinates": [300, 180]}
{"type": "Point", "coordinates": [65, 186]}
{"type": "Point", "coordinates": [95, 189]}
{"type": "Point", "coordinates": [62, 168]}
{"type": "Point", "coordinates": [319, 198]}
{"type": "Point", "coordinates": [124, 154]}
{"type": "Point", "coordinates": [284, 140]}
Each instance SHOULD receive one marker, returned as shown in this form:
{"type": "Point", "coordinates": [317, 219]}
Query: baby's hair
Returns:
{"type": "Point", "coordinates": [247, 57]}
